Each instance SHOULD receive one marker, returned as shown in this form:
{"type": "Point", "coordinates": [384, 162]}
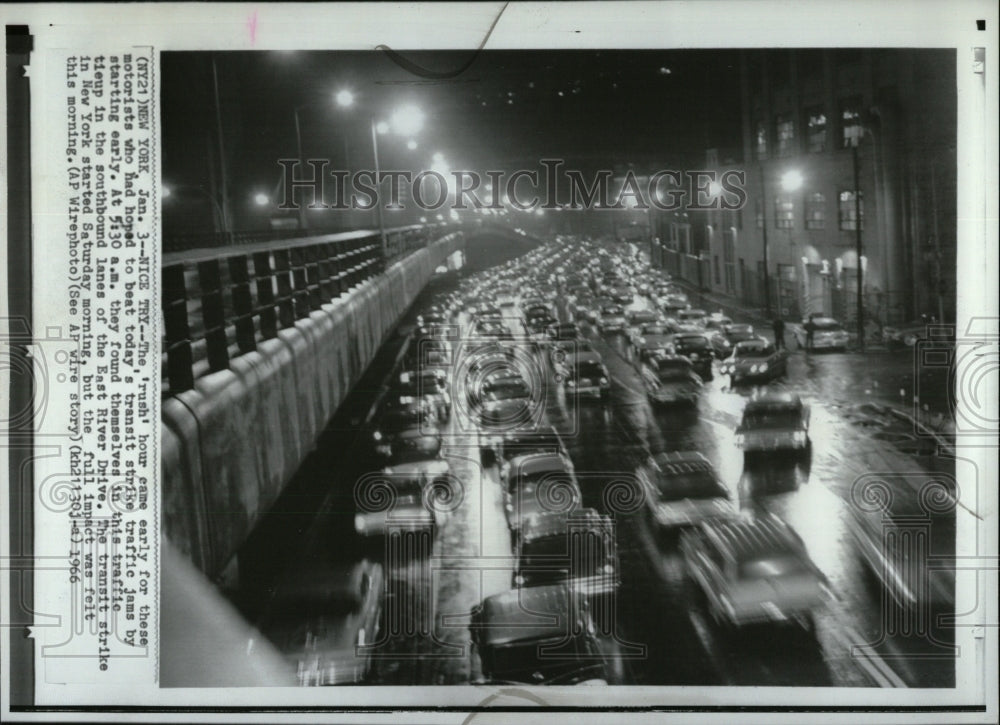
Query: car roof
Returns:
{"type": "Point", "coordinates": [750, 539]}
{"type": "Point", "coordinates": [526, 614]}
{"type": "Point", "coordinates": [774, 400]}
{"type": "Point", "coordinates": [583, 357]}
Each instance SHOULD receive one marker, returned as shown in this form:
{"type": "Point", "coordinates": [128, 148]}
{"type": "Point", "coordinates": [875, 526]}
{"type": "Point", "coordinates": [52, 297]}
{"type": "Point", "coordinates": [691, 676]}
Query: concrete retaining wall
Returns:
{"type": "Point", "coordinates": [230, 445]}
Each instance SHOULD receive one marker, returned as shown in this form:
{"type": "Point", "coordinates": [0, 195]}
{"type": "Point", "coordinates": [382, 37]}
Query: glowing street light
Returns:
{"type": "Point", "coordinates": [382, 128]}
{"type": "Point", "coordinates": [438, 157]}
{"type": "Point", "coordinates": [791, 180]}
{"type": "Point", "coordinates": [408, 120]}
{"type": "Point", "coordinates": [165, 192]}
{"type": "Point", "coordinates": [411, 144]}
{"type": "Point", "coordinates": [261, 199]}
{"type": "Point", "coordinates": [345, 99]}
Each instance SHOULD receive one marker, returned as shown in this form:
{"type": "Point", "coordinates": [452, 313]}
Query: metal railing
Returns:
{"type": "Point", "coordinates": [221, 302]}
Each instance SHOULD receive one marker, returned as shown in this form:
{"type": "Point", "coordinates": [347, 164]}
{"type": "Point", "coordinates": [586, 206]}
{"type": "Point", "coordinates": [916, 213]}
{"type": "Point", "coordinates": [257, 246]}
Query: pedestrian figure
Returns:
{"type": "Point", "coordinates": [779, 333]}
{"type": "Point", "coordinates": [810, 329]}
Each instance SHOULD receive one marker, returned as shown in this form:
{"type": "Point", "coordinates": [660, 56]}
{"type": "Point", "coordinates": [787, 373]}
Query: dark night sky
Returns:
{"type": "Point", "coordinates": [508, 108]}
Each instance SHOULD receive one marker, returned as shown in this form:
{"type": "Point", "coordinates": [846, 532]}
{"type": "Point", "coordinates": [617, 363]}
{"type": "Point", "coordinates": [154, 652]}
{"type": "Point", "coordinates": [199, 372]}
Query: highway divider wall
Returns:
{"type": "Point", "coordinates": [231, 443]}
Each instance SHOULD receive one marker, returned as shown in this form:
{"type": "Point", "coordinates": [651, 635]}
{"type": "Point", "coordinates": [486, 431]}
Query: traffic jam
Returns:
{"type": "Point", "coordinates": [582, 475]}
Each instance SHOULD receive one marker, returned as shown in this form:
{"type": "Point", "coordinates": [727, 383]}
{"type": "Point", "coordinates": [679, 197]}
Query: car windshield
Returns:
{"type": "Point", "coordinates": [700, 483]}
{"type": "Point", "coordinates": [774, 565]}
{"type": "Point", "coordinates": [780, 418]}
{"type": "Point", "coordinates": [754, 351]}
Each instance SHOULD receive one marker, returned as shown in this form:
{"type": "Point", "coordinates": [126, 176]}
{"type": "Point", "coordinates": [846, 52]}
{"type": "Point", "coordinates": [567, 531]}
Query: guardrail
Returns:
{"type": "Point", "coordinates": [221, 302]}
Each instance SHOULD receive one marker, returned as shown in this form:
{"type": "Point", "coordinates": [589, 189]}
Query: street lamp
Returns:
{"type": "Point", "coordinates": [167, 191]}
{"type": "Point", "coordinates": [406, 121]}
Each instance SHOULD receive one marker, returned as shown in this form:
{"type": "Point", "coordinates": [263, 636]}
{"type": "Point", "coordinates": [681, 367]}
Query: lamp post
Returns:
{"type": "Point", "coordinates": [763, 214]}
{"type": "Point", "coordinates": [342, 98]}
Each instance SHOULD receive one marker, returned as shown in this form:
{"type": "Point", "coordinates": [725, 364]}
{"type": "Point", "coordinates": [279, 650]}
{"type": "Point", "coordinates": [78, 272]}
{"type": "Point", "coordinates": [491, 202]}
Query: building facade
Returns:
{"type": "Point", "coordinates": [836, 144]}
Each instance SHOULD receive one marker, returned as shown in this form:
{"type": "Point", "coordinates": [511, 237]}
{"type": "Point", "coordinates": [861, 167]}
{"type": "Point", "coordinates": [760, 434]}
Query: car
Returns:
{"type": "Point", "coordinates": [418, 443]}
{"type": "Point", "coordinates": [586, 375]}
{"type": "Point", "coordinates": [537, 483]}
{"type": "Point", "coordinates": [894, 541]}
{"type": "Point", "coordinates": [774, 422]}
{"type": "Point", "coordinates": [537, 325]}
{"type": "Point", "coordinates": [576, 548]}
{"type": "Point", "coordinates": [828, 334]}
{"type": "Point", "coordinates": [324, 620]}
{"type": "Point", "coordinates": [612, 319]}
{"type": "Point", "coordinates": [671, 305]}
{"type": "Point", "coordinates": [542, 636]}
{"type": "Point", "coordinates": [491, 328]}
{"type": "Point", "coordinates": [683, 489]}
{"type": "Point", "coordinates": [753, 571]}
{"type": "Point", "coordinates": [638, 318]}
{"type": "Point", "coordinates": [691, 320]}
{"type": "Point", "coordinates": [405, 509]}
{"type": "Point", "coordinates": [698, 349]}
{"type": "Point", "coordinates": [430, 384]}
{"type": "Point", "coordinates": [515, 443]}
{"type": "Point", "coordinates": [593, 311]}
{"type": "Point", "coordinates": [622, 294]}
{"type": "Point", "coordinates": [726, 336]}
{"type": "Point", "coordinates": [754, 360]}
{"type": "Point", "coordinates": [507, 403]}
{"type": "Point", "coordinates": [652, 339]}
{"type": "Point", "coordinates": [398, 417]}
{"type": "Point", "coordinates": [563, 331]}
{"type": "Point", "coordinates": [671, 379]}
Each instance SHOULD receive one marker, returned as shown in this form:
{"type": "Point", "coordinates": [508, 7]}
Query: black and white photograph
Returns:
{"type": "Point", "coordinates": [609, 381]}
{"type": "Point", "coordinates": [637, 372]}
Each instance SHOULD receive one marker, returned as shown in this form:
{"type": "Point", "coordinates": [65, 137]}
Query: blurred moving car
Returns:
{"type": "Point", "coordinates": [774, 422]}
{"type": "Point", "coordinates": [652, 339]}
{"type": "Point", "coordinates": [671, 379]}
{"type": "Point", "coordinates": [515, 443]}
{"type": "Point", "coordinates": [323, 620]}
{"type": "Point", "coordinates": [575, 548]}
{"type": "Point", "coordinates": [542, 636]}
{"type": "Point", "coordinates": [683, 489]}
{"type": "Point", "coordinates": [754, 360]}
{"type": "Point", "coordinates": [753, 571]}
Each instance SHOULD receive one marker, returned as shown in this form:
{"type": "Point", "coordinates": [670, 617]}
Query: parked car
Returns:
{"type": "Point", "coordinates": [753, 571]}
{"type": "Point", "coordinates": [430, 384]}
{"type": "Point", "coordinates": [754, 360]}
{"type": "Point", "coordinates": [828, 334]}
{"type": "Point", "coordinates": [403, 415]}
{"type": "Point", "coordinates": [542, 636]}
{"type": "Point", "coordinates": [773, 422]}
{"type": "Point", "coordinates": [406, 513]}
{"type": "Point", "coordinates": [417, 443]}
{"type": "Point", "coordinates": [696, 347]}
{"type": "Point", "coordinates": [672, 304]}
{"type": "Point", "coordinates": [575, 548]}
{"type": "Point", "coordinates": [324, 620]}
{"type": "Point", "coordinates": [671, 379]}
{"type": "Point", "coordinates": [639, 318]}
{"type": "Point", "coordinates": [717, 321]}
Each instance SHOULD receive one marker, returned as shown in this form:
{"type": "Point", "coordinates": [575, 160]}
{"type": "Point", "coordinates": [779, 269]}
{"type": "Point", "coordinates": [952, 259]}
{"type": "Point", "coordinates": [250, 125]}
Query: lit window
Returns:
{"type": "Point", "coordinates": [815, 211]}
{"type": "Point", "coordinates": [848, 217]}
{"type": "Point", "coordinates": [816, 123]}
{"type": "Point", "coordinates": [850, 122]}
{"type": "Point", "coordinates": [784, 213]}
{"type": "Point", "coordinates": [785, 132]}
{"type": "Point", "coordinates": [761, 140]}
